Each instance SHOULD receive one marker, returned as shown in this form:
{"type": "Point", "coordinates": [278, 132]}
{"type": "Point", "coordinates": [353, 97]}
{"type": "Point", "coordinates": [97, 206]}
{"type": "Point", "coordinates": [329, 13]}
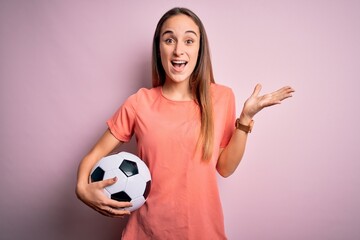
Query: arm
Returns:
{"type": "Point", "coordinates": [92, 193]}
{"type": "Point", "coordinates": [232, 154]}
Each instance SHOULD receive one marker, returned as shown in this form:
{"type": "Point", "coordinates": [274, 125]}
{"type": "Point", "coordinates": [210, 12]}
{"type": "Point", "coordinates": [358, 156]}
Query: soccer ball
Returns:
{"type": "Point", "coordinates": [133, 178]}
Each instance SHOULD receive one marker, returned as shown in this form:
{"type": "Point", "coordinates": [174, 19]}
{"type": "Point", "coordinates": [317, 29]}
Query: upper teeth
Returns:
{"type": "Point", "coordinates": [179, 62]}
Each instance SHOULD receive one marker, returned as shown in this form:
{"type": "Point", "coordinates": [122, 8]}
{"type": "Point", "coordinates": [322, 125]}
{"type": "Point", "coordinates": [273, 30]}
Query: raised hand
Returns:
{"type": "Point", "coordinates": [256, 103]}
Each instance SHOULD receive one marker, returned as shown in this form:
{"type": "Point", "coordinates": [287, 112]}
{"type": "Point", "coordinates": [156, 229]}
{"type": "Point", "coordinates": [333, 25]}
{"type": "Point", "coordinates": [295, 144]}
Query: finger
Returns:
{"type": "Point", "coordinates": [113, 212]}
{"type": "Point", "coordinates": [120, 212]}
{"type": "Point", "coordinates": [112, 208]}
{"type": "Point", "coordinates": [286, 93]}
{"type": "Point", "coordinates": [118, 204]}
{"type": "Point", "coordinates": [281, 95]}
{"type": "Point", "coordinates": [107, 182]}
{"type": "Point", "coordinates": [283, 92]}
{"type": "Point", "coordinates": [290, 89]}
{"type": "Point", "coordinates": [286, 90]}
{"type": "Point", "coordinates": [106, 212]}
{"type": "Point", "coordinates": [257, 90]}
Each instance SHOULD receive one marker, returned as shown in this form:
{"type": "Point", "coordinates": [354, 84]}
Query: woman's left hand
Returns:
{"type": "Point", "coordinates": [256, 103]}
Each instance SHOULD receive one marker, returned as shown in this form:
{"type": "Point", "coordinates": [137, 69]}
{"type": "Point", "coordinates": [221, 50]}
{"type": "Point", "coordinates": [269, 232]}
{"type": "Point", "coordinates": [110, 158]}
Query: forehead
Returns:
{"type": "Point", "coordinates": [180, 24]}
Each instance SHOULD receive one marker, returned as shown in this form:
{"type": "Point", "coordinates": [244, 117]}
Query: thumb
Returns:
{"type": "Point", "coordinates": [257, 90]}
{"type": "Point", "coordinates": [108, 182]}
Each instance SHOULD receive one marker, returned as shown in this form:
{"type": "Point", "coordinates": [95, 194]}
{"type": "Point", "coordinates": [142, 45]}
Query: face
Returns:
{"type": "Point", "coordinates": [179, 47]}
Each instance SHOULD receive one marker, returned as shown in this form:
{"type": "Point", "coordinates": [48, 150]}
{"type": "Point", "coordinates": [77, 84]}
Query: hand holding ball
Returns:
{"type": "Point", "coordinates": [133, 178]}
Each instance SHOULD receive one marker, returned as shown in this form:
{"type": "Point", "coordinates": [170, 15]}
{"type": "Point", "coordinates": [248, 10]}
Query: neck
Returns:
{"type": "Point", "coordinates": [177, 91]}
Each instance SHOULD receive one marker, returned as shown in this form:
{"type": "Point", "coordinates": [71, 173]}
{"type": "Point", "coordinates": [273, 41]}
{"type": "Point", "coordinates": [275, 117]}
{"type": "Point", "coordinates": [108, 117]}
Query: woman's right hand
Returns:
{"type": "Point", "coordinates": [92, 195]}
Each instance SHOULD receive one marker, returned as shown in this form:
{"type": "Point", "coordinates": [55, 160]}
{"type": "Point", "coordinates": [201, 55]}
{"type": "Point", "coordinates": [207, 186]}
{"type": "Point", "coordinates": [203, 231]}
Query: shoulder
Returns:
{"type": "Point", "coordinates": [144, 95]}
{"type": "Point", "coordinates": [147, 92]}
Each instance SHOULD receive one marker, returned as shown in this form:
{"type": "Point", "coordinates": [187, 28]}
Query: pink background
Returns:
{"type": "Point", "coordinates": [65, 67]}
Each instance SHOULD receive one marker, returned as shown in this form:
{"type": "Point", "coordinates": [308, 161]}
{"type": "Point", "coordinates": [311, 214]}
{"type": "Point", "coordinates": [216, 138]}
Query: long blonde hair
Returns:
{"type": "Point", "coordinates": [200, 79]}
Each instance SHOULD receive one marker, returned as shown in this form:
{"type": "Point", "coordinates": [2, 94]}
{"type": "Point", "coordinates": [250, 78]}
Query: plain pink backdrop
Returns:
{"type": "Point", "coordinates": [65, 67]}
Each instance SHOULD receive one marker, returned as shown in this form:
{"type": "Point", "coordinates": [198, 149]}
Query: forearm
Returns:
{"type": "Point", "coordinates": [85, 166]}
{"type": "Point", "coordinates": [84, 169]}
{"type": "Point", "coordinates": [232, 154]}
{"type": "Point", "coordinates": [106, 144]}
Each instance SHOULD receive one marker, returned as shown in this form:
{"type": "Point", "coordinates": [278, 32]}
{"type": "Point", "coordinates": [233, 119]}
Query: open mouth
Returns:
{"type": "Point", "coordinates": [179, 64]}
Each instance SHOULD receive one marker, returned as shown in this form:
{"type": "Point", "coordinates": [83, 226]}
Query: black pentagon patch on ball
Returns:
{"type": "Point", "coordinates": [121, 197]}
{"type": "Point", "coordinates": [147, 189]}
{"type": "Point", "coordinates": [97, 175]}
{"type": "Point", "coordinates": [129, 168]}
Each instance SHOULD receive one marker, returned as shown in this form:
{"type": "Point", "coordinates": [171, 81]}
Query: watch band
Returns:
{"type": "Point", "coordinates": [243, 127]}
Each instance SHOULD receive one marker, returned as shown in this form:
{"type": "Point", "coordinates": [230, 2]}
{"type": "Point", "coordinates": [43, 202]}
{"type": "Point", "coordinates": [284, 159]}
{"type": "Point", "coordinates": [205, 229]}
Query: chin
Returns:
{"type": "Point", "coordinates": [177, 79]}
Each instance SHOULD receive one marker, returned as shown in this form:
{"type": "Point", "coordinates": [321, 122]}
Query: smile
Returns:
{"type": "Point", "coordinates": [179, 64]}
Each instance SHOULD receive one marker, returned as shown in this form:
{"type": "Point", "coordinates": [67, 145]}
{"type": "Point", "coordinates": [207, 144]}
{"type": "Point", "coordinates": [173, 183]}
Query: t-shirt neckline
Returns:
{"type": "Point", "coordinates": [171, 100]}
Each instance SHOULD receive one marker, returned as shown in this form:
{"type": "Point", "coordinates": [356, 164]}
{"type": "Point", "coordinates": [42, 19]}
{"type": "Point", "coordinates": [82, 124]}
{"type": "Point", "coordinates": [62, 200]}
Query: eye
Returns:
{"type": "Point", "coordinates": [189, 41]}
{"type": "Point", "coordinates": [169, 41]}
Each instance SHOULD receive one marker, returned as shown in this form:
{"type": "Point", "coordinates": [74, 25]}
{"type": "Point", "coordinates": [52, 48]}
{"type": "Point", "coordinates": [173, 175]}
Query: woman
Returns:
{"type": "Point", "coordinates": [185, 132]}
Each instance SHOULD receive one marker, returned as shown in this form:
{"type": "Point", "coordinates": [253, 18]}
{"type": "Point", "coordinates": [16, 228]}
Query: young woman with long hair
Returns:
{"type": "Point", "coordinates": [186, 133]}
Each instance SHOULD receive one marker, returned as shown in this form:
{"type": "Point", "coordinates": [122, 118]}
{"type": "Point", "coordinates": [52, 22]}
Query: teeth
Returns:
{"type": "Point", "coordinates": [179, 62]}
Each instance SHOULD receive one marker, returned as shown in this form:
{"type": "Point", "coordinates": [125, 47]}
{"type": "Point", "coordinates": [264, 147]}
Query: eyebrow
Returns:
{"type": "Point", "coordinates": [171, 32]}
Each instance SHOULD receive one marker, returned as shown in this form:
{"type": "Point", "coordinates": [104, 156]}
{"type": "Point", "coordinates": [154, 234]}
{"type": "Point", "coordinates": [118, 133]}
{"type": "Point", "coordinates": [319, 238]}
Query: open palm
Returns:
{"type": "Point", "coordinates": [256, 103]}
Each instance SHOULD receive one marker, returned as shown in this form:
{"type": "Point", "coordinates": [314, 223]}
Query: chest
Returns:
{"type": "Point", "coordinates": [167, 125]}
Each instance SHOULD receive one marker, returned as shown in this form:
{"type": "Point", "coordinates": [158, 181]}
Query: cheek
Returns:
{"type": "Point", "coordinates": [194, 57]}
{"type": "Point", "coordinates": [165, 65]}
{"type": "Point", "coordinates": [163, 59]}
{"type": "Point", "coordinates": [163, 56]}
{"type": "Point", "coordinates": [195, 53]}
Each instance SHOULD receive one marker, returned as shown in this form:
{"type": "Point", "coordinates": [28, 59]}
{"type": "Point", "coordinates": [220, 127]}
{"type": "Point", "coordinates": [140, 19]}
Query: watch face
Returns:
{"type": "Point", "coordinates": [244, 128]}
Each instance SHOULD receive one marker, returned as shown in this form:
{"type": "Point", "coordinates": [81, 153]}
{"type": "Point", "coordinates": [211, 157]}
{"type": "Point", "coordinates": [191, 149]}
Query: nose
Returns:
{"type": "Point", "coordinates": [179, 49]}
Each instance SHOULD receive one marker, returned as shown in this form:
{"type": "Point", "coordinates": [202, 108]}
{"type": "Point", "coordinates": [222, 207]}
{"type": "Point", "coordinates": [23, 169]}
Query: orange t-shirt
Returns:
{"type": "Point", "coordinates": [184, 201]}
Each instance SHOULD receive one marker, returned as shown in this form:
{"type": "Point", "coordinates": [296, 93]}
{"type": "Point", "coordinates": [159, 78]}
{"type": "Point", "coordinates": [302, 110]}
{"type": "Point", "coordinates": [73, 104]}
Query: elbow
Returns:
{"type": "Point", "coordinates": [226, 166]}
{"type": "Point", "coordinates": [223, 172]}
{"type": "Point", "coordinates": [225, 175]}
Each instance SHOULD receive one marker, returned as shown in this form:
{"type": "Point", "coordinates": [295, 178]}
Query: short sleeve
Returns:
{"type": "Point", "coordinates": [229, 120]}
{"type": "Point", "coordinates": [122, 123]}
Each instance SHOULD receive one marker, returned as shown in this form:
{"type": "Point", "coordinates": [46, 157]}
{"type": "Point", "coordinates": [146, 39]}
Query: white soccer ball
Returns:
{"type": "Point", "coordinates": [133, 178]}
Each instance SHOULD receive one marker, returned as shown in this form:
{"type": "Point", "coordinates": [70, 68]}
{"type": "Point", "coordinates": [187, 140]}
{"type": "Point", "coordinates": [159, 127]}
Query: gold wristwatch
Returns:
{"type": "Point", "coordinates": [243, 127]}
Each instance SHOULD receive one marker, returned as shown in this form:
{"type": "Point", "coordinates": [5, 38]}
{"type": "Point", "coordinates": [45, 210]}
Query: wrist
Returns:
{"type": "Point", "coordinates": [244, 124]}
{"type": "Point", "coordinates": [245, 119]}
